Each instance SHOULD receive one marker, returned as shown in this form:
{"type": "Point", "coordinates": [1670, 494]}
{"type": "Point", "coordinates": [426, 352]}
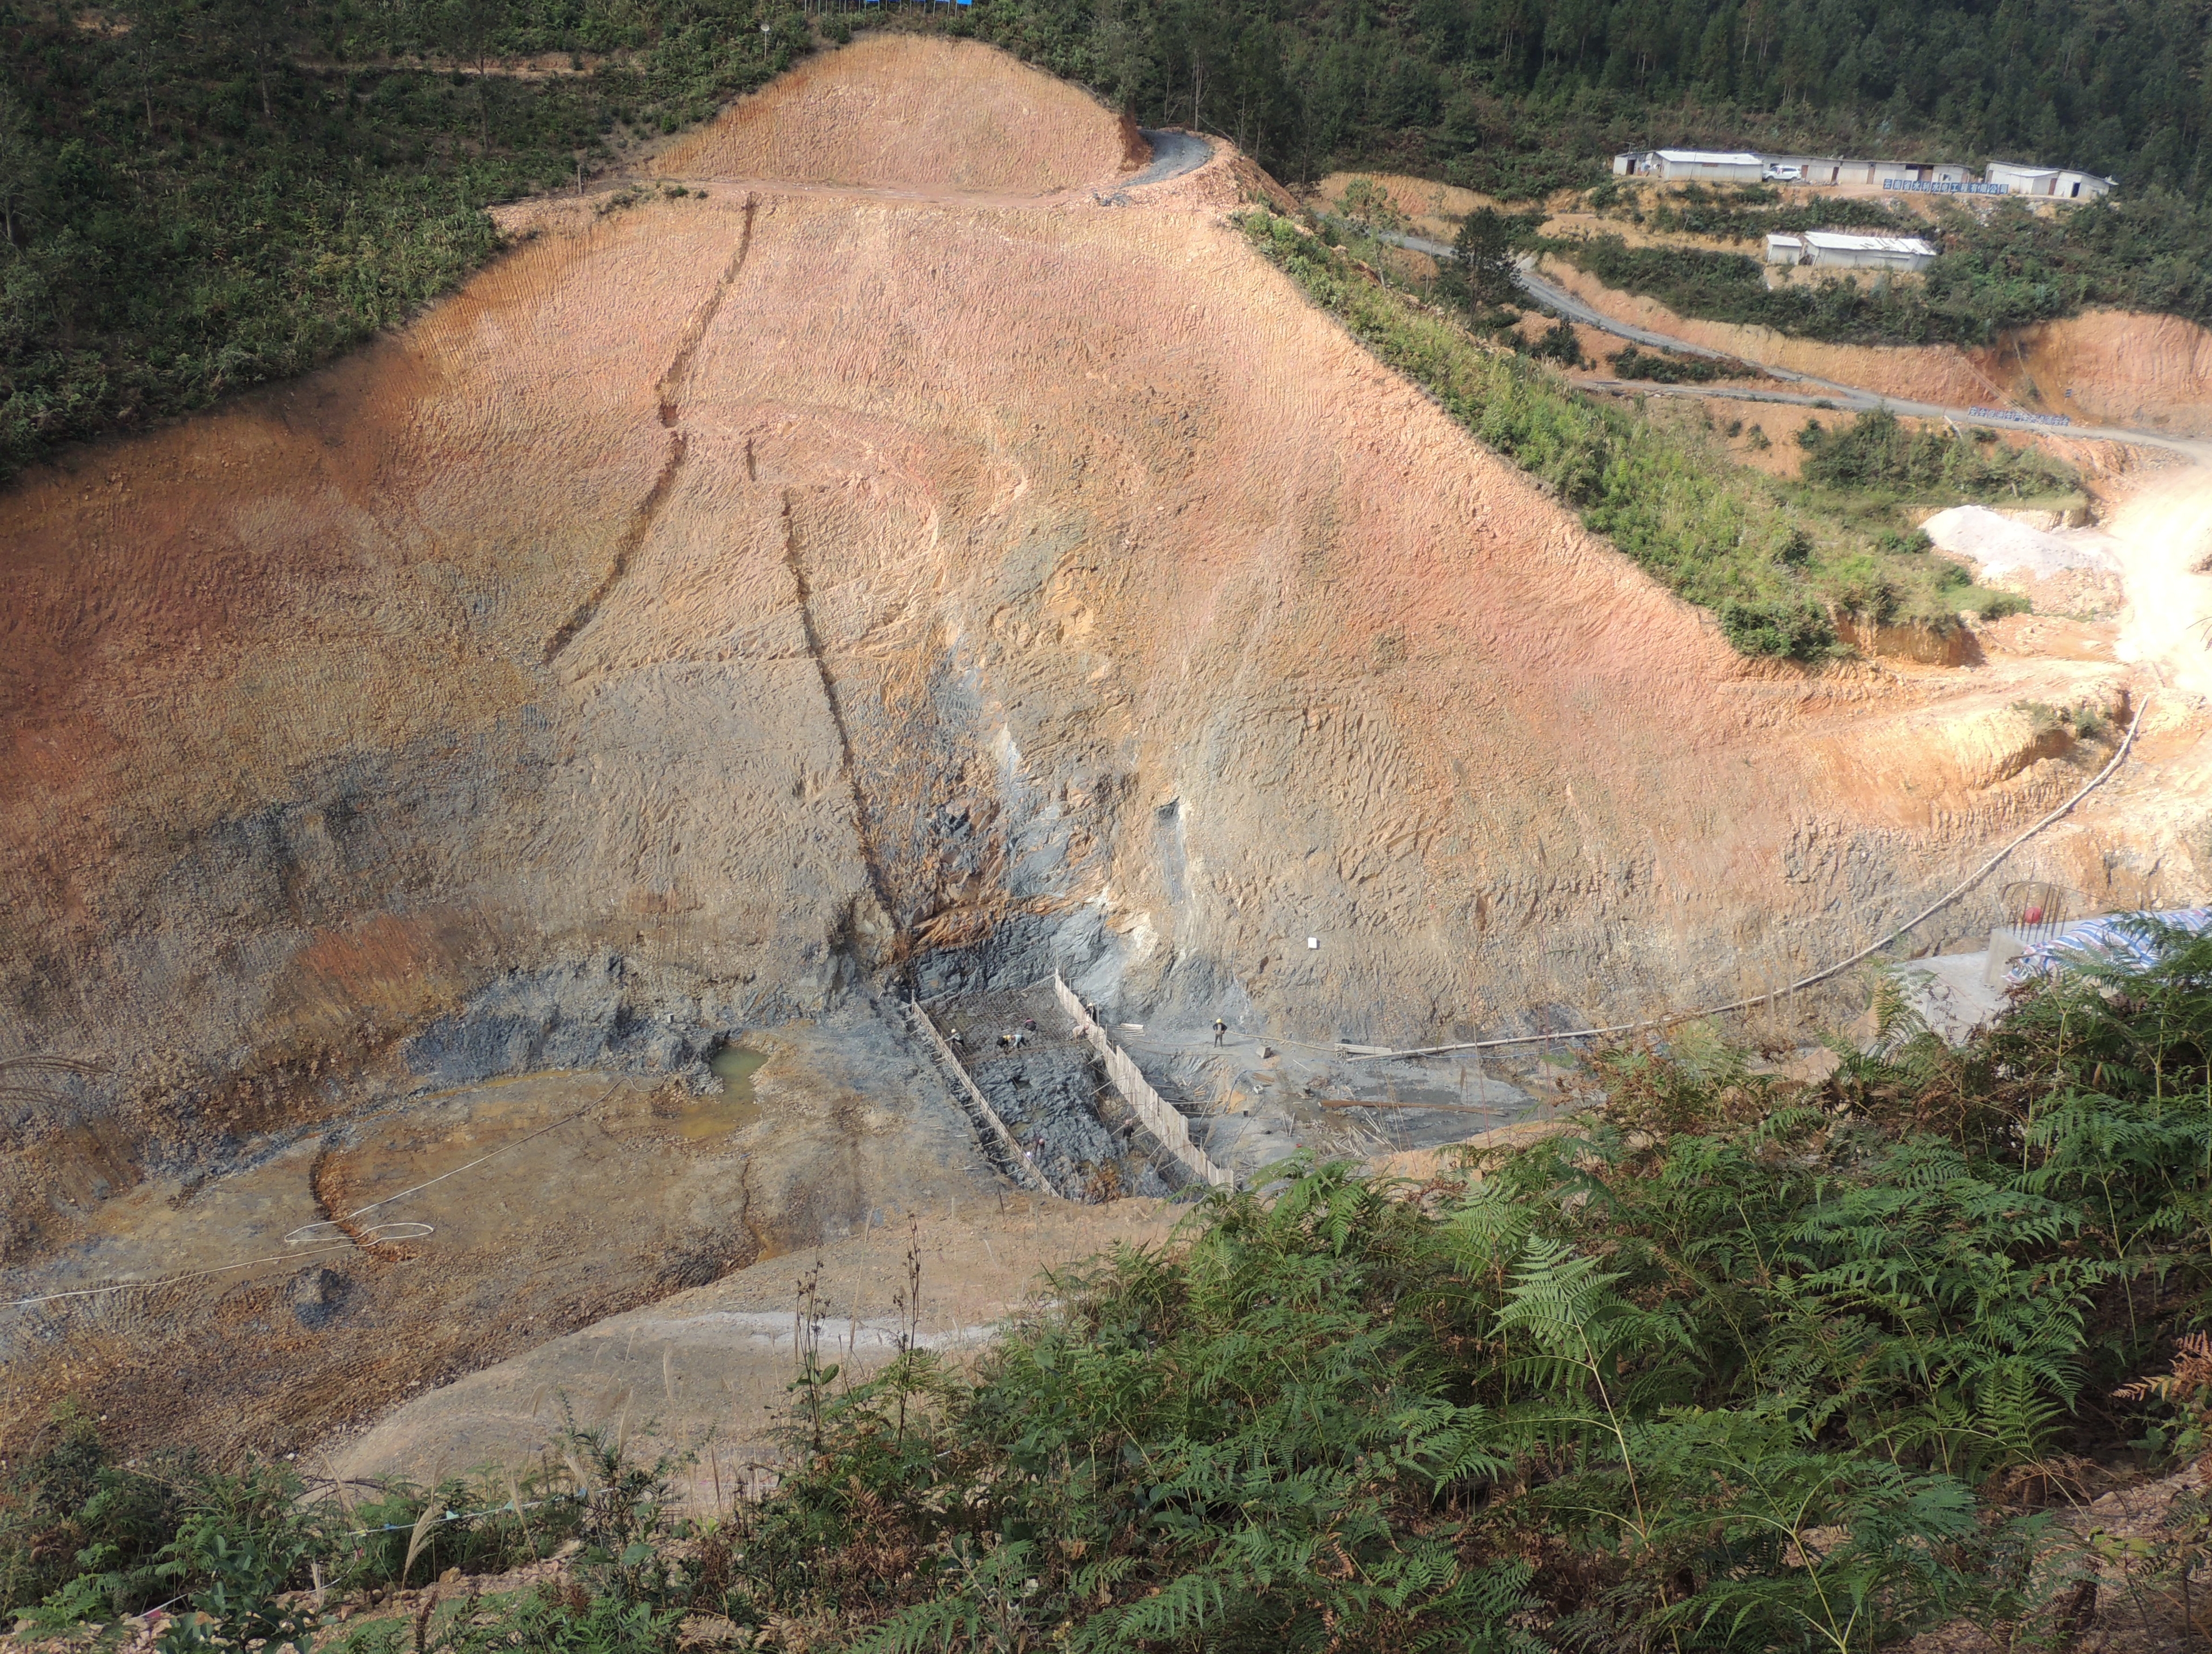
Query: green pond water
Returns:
{"type": "Point", "coordinates": [735, 1108]}
{"type": "Point", "coordinates": [737, 1066]}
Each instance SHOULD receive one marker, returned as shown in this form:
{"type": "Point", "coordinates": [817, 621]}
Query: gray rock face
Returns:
{"type": "Point", "coordinates": [1046, 1096]}
{"type": "Point", "coordinates": [582, 1015]}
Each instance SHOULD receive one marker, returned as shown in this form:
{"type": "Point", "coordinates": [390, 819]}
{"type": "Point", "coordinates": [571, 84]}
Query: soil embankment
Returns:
{"type": "Point", "coordinates": [2111, 367]}
{"type": "Point", "coordinates": [735, 607]}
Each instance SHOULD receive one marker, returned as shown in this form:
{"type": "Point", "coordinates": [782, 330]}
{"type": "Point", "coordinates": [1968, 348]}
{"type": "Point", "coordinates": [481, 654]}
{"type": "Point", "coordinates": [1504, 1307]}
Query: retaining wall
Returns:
{"type": "Point", "coordinates": [1163, 1122]}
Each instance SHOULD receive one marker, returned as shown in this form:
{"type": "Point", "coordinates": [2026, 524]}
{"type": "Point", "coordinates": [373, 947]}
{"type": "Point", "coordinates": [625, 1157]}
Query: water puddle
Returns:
{"type": "Point", "coordinates": [705, 1118]}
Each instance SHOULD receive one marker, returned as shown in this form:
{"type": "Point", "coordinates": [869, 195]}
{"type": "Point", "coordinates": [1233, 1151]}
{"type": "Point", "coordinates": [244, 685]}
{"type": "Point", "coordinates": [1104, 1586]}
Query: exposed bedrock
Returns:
{"type": "Point", "coordinates": [733, 602]}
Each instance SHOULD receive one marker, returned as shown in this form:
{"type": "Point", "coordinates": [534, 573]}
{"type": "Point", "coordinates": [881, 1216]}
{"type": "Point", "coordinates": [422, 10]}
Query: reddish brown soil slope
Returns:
{"type": "Point", "coordinates": [726, 601]}
{"type": "Point", "coordinates": [898, 111]}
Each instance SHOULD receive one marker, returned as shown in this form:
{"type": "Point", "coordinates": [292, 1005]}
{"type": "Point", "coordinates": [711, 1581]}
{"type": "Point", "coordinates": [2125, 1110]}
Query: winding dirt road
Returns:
{"type": "Point", "coordinates": [1819, 393]}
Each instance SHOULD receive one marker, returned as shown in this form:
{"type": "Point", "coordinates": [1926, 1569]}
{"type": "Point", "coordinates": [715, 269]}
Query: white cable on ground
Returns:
{"type": "Point", "coordinates": [1818, 976]}
{"type": "Point", "coordinates": [304, 1230]}
{"type": "Point", "coordinates": [172, 1280]}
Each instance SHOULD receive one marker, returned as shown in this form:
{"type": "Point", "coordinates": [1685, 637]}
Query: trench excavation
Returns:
{"type": "Point", "coordinates": [900, 577]}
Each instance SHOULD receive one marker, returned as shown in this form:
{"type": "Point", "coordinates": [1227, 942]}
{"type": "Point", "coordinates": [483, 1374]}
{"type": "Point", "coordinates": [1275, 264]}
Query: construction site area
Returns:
{"type": "Point", "coordinates": [889, 683]}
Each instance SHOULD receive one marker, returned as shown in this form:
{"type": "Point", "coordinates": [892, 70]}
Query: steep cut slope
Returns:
{"type": "Point", "coordinates": [729, 603]}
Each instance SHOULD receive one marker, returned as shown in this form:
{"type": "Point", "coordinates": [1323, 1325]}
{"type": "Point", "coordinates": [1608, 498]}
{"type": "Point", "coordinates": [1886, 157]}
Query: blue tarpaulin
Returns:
{"type": "Point", "coordinates": [2125, 939]}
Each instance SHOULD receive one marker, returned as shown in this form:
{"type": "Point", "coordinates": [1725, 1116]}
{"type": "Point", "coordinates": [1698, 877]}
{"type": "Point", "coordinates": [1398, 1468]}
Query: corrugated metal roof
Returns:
{"type": "Point", "coordinates": [1841, 243]}
{"type": "Point", "coordinates": [1693, 157]}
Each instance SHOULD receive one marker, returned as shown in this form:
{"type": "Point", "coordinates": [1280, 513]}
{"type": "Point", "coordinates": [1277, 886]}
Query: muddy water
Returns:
{"type": "Point", "coordinates": [735, 1108]}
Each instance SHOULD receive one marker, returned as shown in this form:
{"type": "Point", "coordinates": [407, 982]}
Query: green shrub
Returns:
{"type": "Point", "coordinates": [74, 1523]}
{"type": "Point", "coordinates": [1673, 367]}
{"type": "Point", "coordinates": [497, 1524]}
{"type": "Point", "coordinates": [1878, 452]}
{"type": "Point", "coordinates": [242, 1540]}
{"type": "Point", "coordinates": [1365, 202]}
{"type": "Point", "coordinates": [1559, 343]}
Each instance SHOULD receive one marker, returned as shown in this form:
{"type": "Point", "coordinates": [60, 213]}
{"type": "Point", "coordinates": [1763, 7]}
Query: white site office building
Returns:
{"type": "Point", "coordinates": [1733, 166]}
{"type": "Point", "coordinates": [2052, 183]}
{"type": "Point", "coordinates": [1837, 250]}
{"type": "Point", "coordinates": [1932, 177]}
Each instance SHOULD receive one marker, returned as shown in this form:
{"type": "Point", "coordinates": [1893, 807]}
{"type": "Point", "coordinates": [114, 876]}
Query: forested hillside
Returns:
{"type": "Point", "coordinates": [197, 197]}
{"type": "Point", "coordinates": [1459, 87]}
{"type": "Point", "coordinates": [200, 195]}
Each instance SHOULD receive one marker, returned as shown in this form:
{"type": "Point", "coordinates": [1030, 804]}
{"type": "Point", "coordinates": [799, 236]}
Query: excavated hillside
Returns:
{"type": "Point", "coordinates": [906, 560]}
{"type": "Point", "coordinates": [2101, 367]}
{"type": "Point", "coordinates": [885, 113]}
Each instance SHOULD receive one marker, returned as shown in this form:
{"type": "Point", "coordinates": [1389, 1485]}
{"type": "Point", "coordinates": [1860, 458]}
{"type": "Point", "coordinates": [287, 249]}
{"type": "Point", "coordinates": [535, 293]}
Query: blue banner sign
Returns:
{"type": "Point", "coordinates": [2013, 413]}
{"type": "Point", "coordinates": [1931, 186]}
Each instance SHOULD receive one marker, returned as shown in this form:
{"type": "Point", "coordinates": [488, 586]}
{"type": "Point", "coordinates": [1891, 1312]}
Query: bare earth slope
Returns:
{"type": "Point", "coordinates": [899, 111]}
{"type": "Point", "coordinates": [731, 602]}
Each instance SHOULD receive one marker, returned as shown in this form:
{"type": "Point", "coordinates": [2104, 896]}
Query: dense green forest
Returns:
{"type": "Point", "coordinates": [1491, 92]}
{"type": "Point", "coordinates": [1741, 1365]}
{"type": "Point", "coordinates": [200, 195]}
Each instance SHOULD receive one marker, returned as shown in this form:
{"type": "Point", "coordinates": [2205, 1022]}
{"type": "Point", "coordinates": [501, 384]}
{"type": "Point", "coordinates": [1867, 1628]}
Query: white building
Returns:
{"type": "Point", "coordinates": [1734, 166]}
{"type": "Point", "coordinates": [1832, 170]}
{"type": "Point", "coordinates": [1826, 169]}
{"type": "Point", "coordinates": [1631, 162]}
{"type": "Point", "coordinates": [1784, 249]}
{"type": "Point", "coordinates": [2051, 183]}
{"type": "Point", "coordinates": [1834, 250]}
{"type": "Point", "coordinates": [1921, 172]}
{"type": "Point", "coordinates": [2023, 180]}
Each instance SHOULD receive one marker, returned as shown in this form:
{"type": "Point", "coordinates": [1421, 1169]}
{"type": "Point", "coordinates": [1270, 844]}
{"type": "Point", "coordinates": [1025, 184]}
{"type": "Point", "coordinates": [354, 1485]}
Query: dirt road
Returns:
{"type": "Point", "coordinates": [1819, 391]}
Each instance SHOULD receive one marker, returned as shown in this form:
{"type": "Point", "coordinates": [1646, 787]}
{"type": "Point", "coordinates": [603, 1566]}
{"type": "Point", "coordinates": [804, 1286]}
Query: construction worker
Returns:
{"type": "Point", "coordinates": [1220, 1030]}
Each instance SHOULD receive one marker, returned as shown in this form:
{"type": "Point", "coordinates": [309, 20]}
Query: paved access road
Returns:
{"type": "Point", "coordinates": [1173, 153]}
